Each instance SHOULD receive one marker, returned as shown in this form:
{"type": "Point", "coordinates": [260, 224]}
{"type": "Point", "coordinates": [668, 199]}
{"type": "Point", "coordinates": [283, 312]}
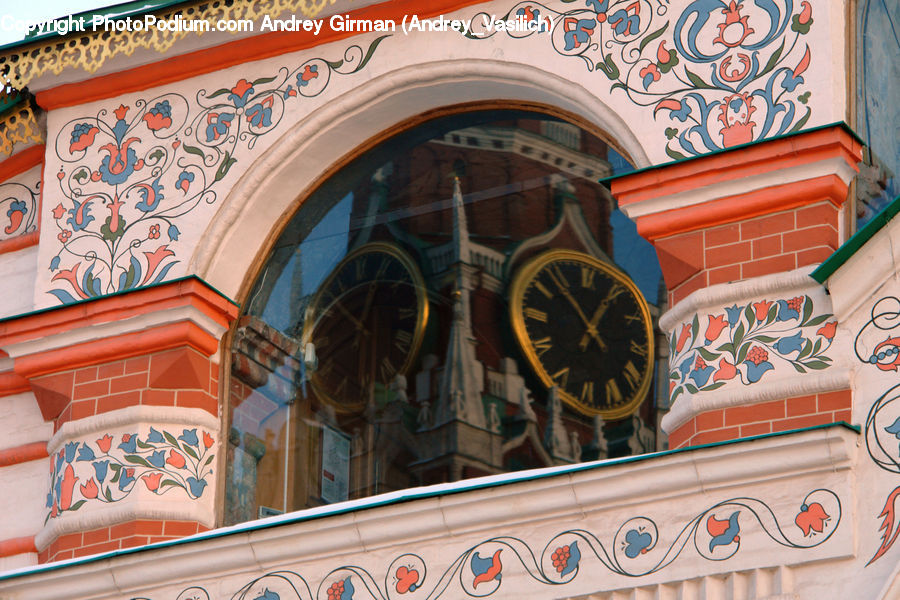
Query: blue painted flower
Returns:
{"type": "Point", "coordinates": [82, 136]}
{"type": "Point", "coordinates": [173, 232]}
{"type": "Point", "coordinates": [734, 315]}
{"type": "Point", "coordinates": [155, 437]}
{"type": "Point", "coordinates": [86, 453]}
{"type": "Point", "coordinates": [80, 216]}
{"type": "Point", "coordinates": [789, 309]}
{"type": "Point", "coordinates": [601, 6]}
{"type": "Point", "coordinates": [126, 478]}
{"type": "Point", "coordinates": [622, 22]}
{"type": "Point", "coordinates": [189, 437]}
{"type": "Point", "coordinates": [160, 116]}
{"type": "Point", "coordinates": [157, 459]}
{"type": "Point", "coordinates": [197, 486]}
{"type": "Point", "coordinates": [71, 447]}
{"type": "Point", "coordinates": [757, 364]}
{"type": "Point", "coordinates": [100, 469]}
{"type": "Point", "coordinates": [260, 114]}
{"type": "Point", "coordinates": [217, 125]}
{"type": "Point", "coordinates": [151, 195]}
{"type": "Point", "coordinates": [894, 428]}
{"type": "Point", "coordinates": [793, 343]}
{"type": "Point", "coordinates": [637, 543]}
{"type": "Point", "coordinates": [240, 93]}
{"type": "Point", "coordinates": [701, 372]}
{"type": "Point", "coordinates": [119, 163]}
{"type": "Point", "coordinates": [185, 178]}
{"type": "Point", "coordinates": [685, 367]}
{"type": "Point", "coordinates": [49, 500]}
{"type": "Point", "coordinates": [580, 34]}
{"type": "Point", "coordinates": [129, 442]}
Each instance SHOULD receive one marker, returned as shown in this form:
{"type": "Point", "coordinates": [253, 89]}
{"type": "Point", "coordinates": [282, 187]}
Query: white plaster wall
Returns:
{"type": "Point", "coordinates": [21, 421]}
{"type": "Point", "coordinates": [406, 75]}
{"type": "Point", "coordinates": [22, 509]}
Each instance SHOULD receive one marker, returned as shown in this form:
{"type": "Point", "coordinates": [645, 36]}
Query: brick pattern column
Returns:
{"type": "Point", "coordinates": [736, 232]}
{"type": "Point", "coordinates": [136, 445]}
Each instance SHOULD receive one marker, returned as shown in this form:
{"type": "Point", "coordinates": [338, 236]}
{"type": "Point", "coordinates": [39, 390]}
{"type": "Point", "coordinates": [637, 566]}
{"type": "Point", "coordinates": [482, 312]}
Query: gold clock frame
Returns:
{"type": "Point", "coordinates": [313, 312]}
{"type": "Point", "coordinates": [523, 277]}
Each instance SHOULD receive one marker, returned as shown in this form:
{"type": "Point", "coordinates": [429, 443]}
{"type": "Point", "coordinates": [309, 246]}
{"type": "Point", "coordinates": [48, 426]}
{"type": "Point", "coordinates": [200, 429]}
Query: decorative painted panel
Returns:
{"type": "Point", "coordinates": [132, 175]}
{"type": "Point", "coordinates": [720, 74]}
{"type": "Point", "coordinates": [19, 204]}
{"type": "Point", "coordinates": [634, 550]}
{"type": "Point", "coordinates": [739, 345]}
{"type": "Point", "coordinates": [877, 345]}
{"type": "Point", "coordinates": [111, 467]}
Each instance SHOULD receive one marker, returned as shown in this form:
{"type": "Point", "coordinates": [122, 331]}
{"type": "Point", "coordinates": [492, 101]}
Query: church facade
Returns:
{"type": "Point", "coordinates": [353, 300]}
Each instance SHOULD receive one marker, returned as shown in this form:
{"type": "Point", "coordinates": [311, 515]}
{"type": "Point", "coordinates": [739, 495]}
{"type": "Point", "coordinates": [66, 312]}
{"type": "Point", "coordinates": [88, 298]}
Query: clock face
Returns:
{"type": "Point", "coordinates": [584, 327]}
{"type": "Point", "coordinates": [366, 323]}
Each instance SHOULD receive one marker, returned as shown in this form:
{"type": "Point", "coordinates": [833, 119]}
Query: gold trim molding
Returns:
{"type": "Point", "coordinates": [90, 51]}
{"type": "Point", "coordinates": [19, 125]}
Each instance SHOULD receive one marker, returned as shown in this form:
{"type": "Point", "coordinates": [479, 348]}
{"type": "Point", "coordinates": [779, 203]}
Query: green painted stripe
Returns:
{"type": "Point", "coordinates": [414, 494]}
{"type": "Point", "coordinates": [125, 9]}
{"type": "Point", "coordinates": [857, 241]}
{"type": "Point", "coordinates": [112, 295]}
{"type": "Point", "coordinates": [607, 180]}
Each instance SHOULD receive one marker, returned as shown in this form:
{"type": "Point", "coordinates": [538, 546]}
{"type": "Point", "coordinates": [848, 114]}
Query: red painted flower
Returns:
{"type": "Point", "coordinates": [175, 459]}
{"type": "Point", "coordinates": [121, 112]}
{"type": "Point", "coordinates": [735, 29]}
{"type": "Point", "coordinates": [715, 327]}
{"type": "Point", "coordinates": [154, 232]}
{"type": "Point", "coordinates": [105, 443]}
{"type": "Point", "coordinates": [207, 440]}
{"type": "Point", "coordinates": [811, 518]}
{"type": "Point", "coordinates": [89, 489]}
{"type": "Point", "coordinates": [59, 211]}
{"type": "Point", "coordinates": [762, 309]}
{"type": "Point", "coordinates": [152, 481]}
{"type": "Point", "coordinates": [734, 114]}
{"type": "Point", "coordinates": [68, 486]}
{"type": "Point", "coordinates": [560, 558]}
{"type": "Point", "coordinates": [827, 330]}
{"type": "Point", "coordinates": [757, 355]}
{"type": "Point", "coordinates": [64, 236]}
{"type": "Point", "coordinates": [726, 371]}
{"type": "Point", "coordinates": [682, 337]}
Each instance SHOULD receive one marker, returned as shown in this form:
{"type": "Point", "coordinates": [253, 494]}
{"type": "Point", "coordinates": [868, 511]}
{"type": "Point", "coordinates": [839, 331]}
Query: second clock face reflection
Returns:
{"type": "Point", "coordinates": [585, 329]}
{"type": "Point", "coordinates": [366, 323]}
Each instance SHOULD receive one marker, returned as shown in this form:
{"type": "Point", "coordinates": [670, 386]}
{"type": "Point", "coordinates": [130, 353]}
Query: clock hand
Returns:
{"type": "Point", "coordinates": [360, 326]}
{"type": "Point", "coordinates": [591, 329]}
{"type": "Point", "coordinates": [370, 295]}
{"type": "Point", "coordinates": [592, 325]}
{"type": "Point", "coordinates": [598, 314]}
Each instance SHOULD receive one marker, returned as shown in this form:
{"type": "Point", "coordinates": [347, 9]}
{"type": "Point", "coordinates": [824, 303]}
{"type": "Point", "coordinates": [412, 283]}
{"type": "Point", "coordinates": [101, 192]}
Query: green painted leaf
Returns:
{"type": "Point", "coordinates": [817, 347]}
{"type": "Point", "coordinates": [674, 153]}
{"type": "Point", "coordinates": [772, 314]}
{"type": "Point", "coordinates": [799, 125]}
{"type": "Point", "coordinates": [729, 348]}
{"type": "Point", "coordinates": [818, 365]}
{"type": "Point", "coordinates": [697, 80]}
{"type": "Point", "coordinates": [169, 482]}
{"type": "Point", "coordinates": [189, 451]}
{"type": "Point", "coordinates": [652, 37]}
{"type": "Point", "coordinates": [691, 388]}
{"type": "Point", "coordinates": [608, 66]}
{"type": "Point", "coordinates": [262, 80]}
{"type": "Point", "coordinates": [193, 150]}
{"type": "Point", "coordinates": [807, 309]}
{"type": "Point", "coordinates": [765, 339]}
{"type": "Point", "coordinates": [750, 314]}
{"type": "Point", "coordinates": [678, 391]}
{"type": "Point", "coordinates": [817, 320]}
{"type": "Point", "coordinates": [170, 438]}
{"type": "Point", "coordinates": [370, 52]}
{"type": "Point", "coordinates": [77, 505]}
{"type": "Point", "coordinates": [798, 368]}
{"type": "Point", "coordinates": [806, 351]}
{"type": "Point", "coordinates": [773, 60]}
{"type": "Point", "coordinates": [695, 328]}
{"type": "Point", "coordinates": [209, 460]}
{"type": "Point", "coordinates": [706, 354]}
{"type": "Point", "coordinates": [219, 93]}
{"type": "Point", "coordinates": [738, 335]}
{"type": "Point", "coordinates": [742, 353]}
{"type": "Point", "coordinates": [141, 444]}
{"type": "Point", "coordinates": [225, 166]}
{"type": "Point", "coordinates": [107, 494]}
{"type": "Point", "coordinates": [713, 386]}
{"type": "Point", "coordinates": [137, 460]}
{"type": "Point", "coordinates": [81, 175]}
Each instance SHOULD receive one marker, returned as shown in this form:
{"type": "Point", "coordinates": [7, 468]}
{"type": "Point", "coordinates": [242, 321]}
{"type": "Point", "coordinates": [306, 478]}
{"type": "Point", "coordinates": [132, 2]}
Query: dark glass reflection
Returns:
{"type": "Point", "coordinates": [379, 348]}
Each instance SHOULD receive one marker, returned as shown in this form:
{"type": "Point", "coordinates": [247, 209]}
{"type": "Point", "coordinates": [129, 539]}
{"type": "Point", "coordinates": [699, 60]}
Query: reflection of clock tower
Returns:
{"type": "Point", "coordinates": [468, 320]}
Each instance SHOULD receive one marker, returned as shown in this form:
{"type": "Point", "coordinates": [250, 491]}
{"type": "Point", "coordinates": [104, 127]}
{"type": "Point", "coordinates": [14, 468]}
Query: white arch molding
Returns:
{"type": "Point", "coordinates": [266, 194]}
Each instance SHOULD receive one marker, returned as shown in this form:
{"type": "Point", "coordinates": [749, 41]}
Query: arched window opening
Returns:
{"type": "Point", "coordinates": [461, 300]}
